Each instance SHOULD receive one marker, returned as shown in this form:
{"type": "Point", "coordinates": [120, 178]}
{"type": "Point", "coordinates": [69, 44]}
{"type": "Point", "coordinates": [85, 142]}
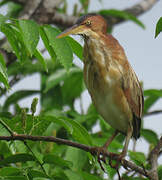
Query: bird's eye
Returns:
{"type": "Point", "coordinates": [88, 23]}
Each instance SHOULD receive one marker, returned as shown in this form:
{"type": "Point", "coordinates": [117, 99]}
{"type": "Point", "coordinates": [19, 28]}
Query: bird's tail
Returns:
{"type": "Point", "coordinates": [136, 126]}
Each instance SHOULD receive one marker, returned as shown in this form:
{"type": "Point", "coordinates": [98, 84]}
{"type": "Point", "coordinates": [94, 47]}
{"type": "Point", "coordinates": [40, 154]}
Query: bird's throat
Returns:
{"type": "Point", "coordinates": [94, 51]}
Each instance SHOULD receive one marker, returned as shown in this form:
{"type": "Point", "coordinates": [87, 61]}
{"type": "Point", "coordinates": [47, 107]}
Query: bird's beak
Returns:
{"type": "Point", "coordinates": [75, 29]}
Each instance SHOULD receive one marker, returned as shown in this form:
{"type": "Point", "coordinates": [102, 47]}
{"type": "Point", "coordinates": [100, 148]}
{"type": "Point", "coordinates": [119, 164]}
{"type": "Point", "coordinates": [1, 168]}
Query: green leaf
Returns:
{"type": "Point", "coordinates": [76, 47]}
{"type": "Point", "coordinates": [30, 34]}
{"type": "Point", "coordinates": [35, 174]}
{"type": "Point", "coordinates": [55, 79]}
{"type": "Point", "coordinates": [14, 177]}
{"type": "Point", "coordinates": [137, 157]}
{"type": "Point", "coordinates": [85, 4]}
{"type": "Point", "coordinates": [4, 148]}
{"type": "Point", "coordinates": [2, 19]}
{"type": "Point", "coordinates": [69, 89]}
{"type": "Point", "coordinates": [17, 158]}
{"type": "Point", "coordinates": [3, 2]}
{"type": "Point", "coordinates": [158, 27]}
{"type": "Point", "coordinates": [152, 95]}
{"type": "Point", "coordinates": [59, 76]}
{"type": "Point", "coordinates": [79, 132]}
{"type": "Point", "coordinates": [56, 160]}
{"type": "Point", "coordinates": [2, 61]}
{"type": "Point", "coordinates": [78, 157]}
{"type": "Point", "coordinates": [15, 39]}
{"type": "Point", "coordinates": [160, 172]}
{"type": "Point", "coordinates": [3, 73]}
{"type": "Point", "coordinates": [52, 99]}
{"type": "Point", "coordinates": [13, 9]}
{"type": "Point", "coordinates": [151, 92]}
{"type": "Point", "coordinates": [125, 177]}
{"type": "Point", "coordinates": [59, 121]}
{"type": "Point", "coordinates": [40, 125]}
{"type": "Point", "coordinates": [59, 174]}
{"type": "Point", "coordinates": [149, 101]}
{"type": "Point", "coordinates": [110, 171]}
{"type": "Point", "coordinates": [47, 44]}
{"type": "Point", "coordinates": [150, 136]}
{"type": "Point", "coordinates": [104, 124]}
{"type": "Point", "coordinates": [39, 56]}
{"type": "Point", "coordinates": [9, 171]}
{"type": "Point", "coordinates": [60, 46]}
{"type": "Point", "coordinates": [12, 38]}
{"type": "Point", "coordinates": [17, 96]}
{"type": "Point", "coordinates": [72, 175]}
{"type": "Point", "coordinates": [122, 14]}
{"type": "Point", "coordinates": [88, 176]}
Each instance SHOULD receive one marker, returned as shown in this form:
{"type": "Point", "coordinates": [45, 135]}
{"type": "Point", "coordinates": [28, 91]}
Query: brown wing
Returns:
{"type": "Point", "coordinates": [134, 95]}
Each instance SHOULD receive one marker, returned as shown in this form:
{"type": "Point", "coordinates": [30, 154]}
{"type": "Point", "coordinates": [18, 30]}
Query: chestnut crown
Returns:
{"type": "Point", "coordinates": [94, 22]}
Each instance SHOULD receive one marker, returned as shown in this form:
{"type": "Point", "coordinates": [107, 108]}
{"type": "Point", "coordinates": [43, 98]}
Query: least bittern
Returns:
{"type": "Point", "coordinates": [110, 79]}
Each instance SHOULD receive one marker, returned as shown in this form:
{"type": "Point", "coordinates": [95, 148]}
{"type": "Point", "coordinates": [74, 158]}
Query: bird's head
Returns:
{"type": "Point", "coordinates": [86, 25]}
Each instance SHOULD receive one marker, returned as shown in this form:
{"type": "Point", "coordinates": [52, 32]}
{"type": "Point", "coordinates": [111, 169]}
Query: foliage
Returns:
{"type": "Point", "coordinates": [123, 15]}
{"type": "Point", "coordinates": [61, 88]}
{"type": "Point", "coordinates": [158, 27]}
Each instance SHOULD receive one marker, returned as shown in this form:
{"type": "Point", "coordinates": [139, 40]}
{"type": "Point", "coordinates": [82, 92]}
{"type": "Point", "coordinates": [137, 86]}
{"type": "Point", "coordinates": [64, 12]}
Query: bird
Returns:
{"type": "Point", "coordinates": [111, 81]}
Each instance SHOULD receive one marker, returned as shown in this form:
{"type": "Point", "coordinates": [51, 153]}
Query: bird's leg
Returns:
{"type": "Point", "coordinates": [124, 151]}
{"type": "Point", "coordinates": [108, 142]}
{"type": "Point", "coordinates": [128, 137]}
{"type": "Point", "coordinates": [101, 150]}
{"type": "Point", "coordinates": [134, 145]}
{"type": "Point", "coordinates": [105, 146]}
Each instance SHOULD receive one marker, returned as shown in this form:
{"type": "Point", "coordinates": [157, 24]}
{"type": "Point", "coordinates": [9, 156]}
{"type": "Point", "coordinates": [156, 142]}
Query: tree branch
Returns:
{"type": "Point", "coordinates": [29, 8]}
{"type": "Point", "coordinates": [153, 160]}
{"type": "Point", "coordinates": [153, 113]}
{"type": "Point", "coordinates": [141, 7]}
{"type": "Point", "coordinates": [46, 15]}
{"type": "Point", "coordinates": [64, 20]}
{"type": "Point", "coordinates": [86, 148]}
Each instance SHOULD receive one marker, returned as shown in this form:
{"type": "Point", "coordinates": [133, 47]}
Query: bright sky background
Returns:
{"type": "Point", "coordinates": [143, 51]}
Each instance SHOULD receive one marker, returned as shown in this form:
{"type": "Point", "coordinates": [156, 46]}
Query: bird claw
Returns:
{"type": "Point", "coordinates": [101, 157]}
{"type": "Point", "coordinates": [100, 152]}
{"type": "Point", "coordinates": [117, 158]}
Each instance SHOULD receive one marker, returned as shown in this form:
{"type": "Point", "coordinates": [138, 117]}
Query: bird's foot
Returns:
{"type": "Point", "coordinates": [118, 158]}
{"type": "Point", "coordinates": [101, 155]}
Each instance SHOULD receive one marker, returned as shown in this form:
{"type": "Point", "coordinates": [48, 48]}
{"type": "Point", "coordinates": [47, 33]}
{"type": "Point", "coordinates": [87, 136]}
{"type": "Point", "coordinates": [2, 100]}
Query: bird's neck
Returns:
{"type": "Point", "coordinates": [103, 49]}
{"type": "Point", "coordinates": [95, 50]}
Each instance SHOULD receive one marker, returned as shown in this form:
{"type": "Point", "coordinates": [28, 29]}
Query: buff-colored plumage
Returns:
{"type": "Point", "coordinates": [112, 83]}
{"type": "Point", "coordinates": [110, 80]}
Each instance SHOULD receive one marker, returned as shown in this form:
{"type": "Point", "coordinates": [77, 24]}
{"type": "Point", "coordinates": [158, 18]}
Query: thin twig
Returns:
{"type": "Point", "coordinates": [6, 127]}
{"type": "Point", "coordinates": [41, 165]}
{"type": "Point", "coordinates": [153, 113]}
{"type": "Point", "coordinates": [25, 143]}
